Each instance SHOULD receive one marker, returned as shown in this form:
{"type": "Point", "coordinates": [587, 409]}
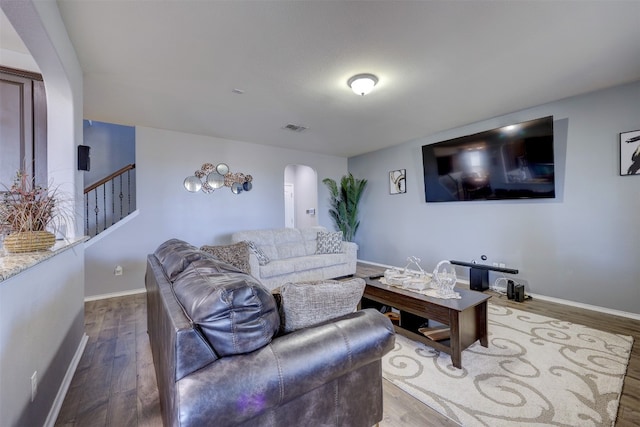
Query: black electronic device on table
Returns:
{"type": "Point", "coordinates": [479, 274]}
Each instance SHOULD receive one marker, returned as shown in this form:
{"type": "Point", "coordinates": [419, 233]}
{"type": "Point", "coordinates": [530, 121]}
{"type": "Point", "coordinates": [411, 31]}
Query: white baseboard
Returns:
{"type": "Point", "coordinates": [66, 382]}
{"type": "Point", "coordinates": [375, 263]}
{"type": "Point", "coordinates": [115, 294]}
{"type": "Point", "coordinates": [620, 313]}
{"type": "Point", "coordinates": [597, 308]}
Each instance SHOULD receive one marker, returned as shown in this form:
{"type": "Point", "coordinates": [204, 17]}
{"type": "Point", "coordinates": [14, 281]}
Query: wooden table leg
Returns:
{"type": "Point", "coordinates": [483, 324]}
{"type": "Point", "coordinates": [456, 346]}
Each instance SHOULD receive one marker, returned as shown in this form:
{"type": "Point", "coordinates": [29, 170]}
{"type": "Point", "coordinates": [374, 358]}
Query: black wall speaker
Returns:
{"type": "Point", "coordinates": [84, 159]}
{"type": "Point", "coordinates": [519, 293]}
{"type": "Point", "coordinates": [511, 293]}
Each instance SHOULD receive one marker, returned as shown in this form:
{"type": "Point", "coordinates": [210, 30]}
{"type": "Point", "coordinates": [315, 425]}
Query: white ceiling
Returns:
{"type": "Point", "coordinates": [441, 64]}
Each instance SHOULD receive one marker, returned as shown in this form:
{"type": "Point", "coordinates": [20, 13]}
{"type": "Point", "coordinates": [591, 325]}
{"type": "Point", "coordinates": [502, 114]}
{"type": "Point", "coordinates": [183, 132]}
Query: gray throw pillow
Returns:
{"type": "Point", "coordinates": [263, 259]}
{"type": "Point", "coordinates": [329, 242]}
{"type": "Point", "coordinates": [307, 304]}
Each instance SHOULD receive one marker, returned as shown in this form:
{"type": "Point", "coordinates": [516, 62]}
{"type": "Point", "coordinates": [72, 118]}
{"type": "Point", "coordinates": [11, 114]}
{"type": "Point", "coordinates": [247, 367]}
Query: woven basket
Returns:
{"type": "Point", "coordinates": [29, 241]}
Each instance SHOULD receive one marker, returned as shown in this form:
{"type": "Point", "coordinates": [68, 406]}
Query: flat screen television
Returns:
{"type": "Point", "coordinates": [511, 162]}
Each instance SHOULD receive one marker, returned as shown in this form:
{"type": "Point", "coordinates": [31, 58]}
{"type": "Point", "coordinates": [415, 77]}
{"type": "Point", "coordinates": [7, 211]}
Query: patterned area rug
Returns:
{"type": "Point", "coordinates": [537, 371]}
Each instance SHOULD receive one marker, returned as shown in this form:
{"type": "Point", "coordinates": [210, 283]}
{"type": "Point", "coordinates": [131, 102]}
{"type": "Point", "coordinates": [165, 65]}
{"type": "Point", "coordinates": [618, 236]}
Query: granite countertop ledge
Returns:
{"type": "Point", "coordinates": [12, 264]}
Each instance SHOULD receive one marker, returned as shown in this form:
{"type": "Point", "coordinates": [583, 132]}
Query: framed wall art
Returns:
{"type": "Point", "coordinates": [630, 153]}
{"type": "Point", "coordinates": [397, 181]}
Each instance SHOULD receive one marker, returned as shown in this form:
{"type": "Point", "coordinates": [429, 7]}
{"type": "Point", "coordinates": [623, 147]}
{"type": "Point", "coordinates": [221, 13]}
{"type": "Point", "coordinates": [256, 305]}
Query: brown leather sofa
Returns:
{"type": "Point", "coordinates": [220, 360]}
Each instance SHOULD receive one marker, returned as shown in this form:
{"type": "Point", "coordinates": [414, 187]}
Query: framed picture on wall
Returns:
{"type": "Point", "coordinates": [630, 153]}
{"type": "Point", "coordinates": [397, 181]}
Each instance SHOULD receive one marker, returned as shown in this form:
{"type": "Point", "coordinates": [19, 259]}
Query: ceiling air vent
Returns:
{"type": "Point", "coordinates": [295, 128]}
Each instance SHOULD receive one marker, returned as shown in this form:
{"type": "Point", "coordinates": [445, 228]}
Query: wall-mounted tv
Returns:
{"type": "Point", "coordinates": [511, 162]}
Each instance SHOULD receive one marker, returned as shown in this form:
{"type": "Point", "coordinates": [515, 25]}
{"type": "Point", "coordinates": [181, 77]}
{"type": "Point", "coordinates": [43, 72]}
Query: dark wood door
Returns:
{"type": "Point", "coordinates": [23, 126]}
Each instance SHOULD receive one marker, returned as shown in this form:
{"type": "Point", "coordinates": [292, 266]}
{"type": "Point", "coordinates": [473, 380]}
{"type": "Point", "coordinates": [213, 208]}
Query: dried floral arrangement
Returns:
{"type": "Point", "coordinates": [30, 210]}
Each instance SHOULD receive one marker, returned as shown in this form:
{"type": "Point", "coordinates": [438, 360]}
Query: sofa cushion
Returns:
{"type": "Point", "coordinates": [311, 262]}
{"type": "Point", "coordinates": [307, 304]}
{"type": "Point", "coordinates": [289, 243]}
{"type": "Point", "coordinates": [264, 239]}
{"type": "Point", "coordinates": [175, 255]}
{"type": "Point", "coordinates": [329, 242]}
{"type": "Point", "coordinates": [291, 250]}
{"type": "Point", "coordinates": [310, 238]}
{"type": "Point", "coordinates": [234, 312]}
{"type": "Point", "coordinates": [236, 254]}
{"type": "Point", "coordinates": [277, 267]}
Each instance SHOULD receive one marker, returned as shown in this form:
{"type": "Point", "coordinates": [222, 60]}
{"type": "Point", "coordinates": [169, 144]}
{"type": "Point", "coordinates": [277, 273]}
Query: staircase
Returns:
{"type": "Point", "coordinates": [109, 200]}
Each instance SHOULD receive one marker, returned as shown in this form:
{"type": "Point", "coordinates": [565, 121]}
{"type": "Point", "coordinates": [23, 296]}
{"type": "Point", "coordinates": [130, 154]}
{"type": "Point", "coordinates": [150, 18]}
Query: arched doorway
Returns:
{"type": "Point", "coordinates": [301, 196]}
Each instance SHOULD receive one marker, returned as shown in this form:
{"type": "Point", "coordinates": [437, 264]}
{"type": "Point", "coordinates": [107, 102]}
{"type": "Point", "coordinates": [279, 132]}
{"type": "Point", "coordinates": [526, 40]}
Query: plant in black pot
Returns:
{"type": "Point", "coordinates": [344, 203]}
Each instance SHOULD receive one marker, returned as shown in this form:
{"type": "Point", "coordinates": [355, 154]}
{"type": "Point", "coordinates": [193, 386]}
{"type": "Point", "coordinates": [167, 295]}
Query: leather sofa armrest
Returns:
{"type": "Point", "coordinates": [322, 353]}
{"type": "Point", "coordinates": [246, 385]}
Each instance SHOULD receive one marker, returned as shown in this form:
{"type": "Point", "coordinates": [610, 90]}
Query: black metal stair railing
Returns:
{"type": "Point", "coordinates": [116, 191]}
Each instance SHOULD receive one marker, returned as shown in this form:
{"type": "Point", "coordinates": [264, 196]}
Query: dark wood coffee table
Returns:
{"type": "Point", "coordinates": [466, 317]}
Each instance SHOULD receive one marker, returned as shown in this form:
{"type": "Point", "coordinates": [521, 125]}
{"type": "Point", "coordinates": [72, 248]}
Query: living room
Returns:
{"type": "Point", "coordinates": [580, 248]}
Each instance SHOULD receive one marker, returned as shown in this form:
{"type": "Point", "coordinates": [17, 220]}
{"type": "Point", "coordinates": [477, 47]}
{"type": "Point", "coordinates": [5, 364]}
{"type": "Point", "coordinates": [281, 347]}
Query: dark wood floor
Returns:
{"type": "Point", "coordinates": [115, 385]}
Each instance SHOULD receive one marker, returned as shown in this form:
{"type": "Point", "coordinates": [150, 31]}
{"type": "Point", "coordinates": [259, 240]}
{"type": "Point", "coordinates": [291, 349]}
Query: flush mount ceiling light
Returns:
{"type": "Point", "coordinates": [362, 84]}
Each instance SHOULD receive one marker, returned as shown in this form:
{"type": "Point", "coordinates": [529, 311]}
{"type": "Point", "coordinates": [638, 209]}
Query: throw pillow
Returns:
{"type": "Point", "coordinates": [263, 259]}
{"type": "Point", "coordinates": [307, 304]}
{"type": "Point", "coordinates": [237, 255]}
{"type": "Point", "coordinates": [329, 242]}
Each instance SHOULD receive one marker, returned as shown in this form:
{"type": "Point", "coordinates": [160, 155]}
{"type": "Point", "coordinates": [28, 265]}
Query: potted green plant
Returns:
{"type": "Point", "coordinates": [344, 203]}
{"type": "Point", "coordinates": [28, 212]}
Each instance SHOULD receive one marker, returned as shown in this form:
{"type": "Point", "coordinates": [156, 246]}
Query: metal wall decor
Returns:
{"type": "Point", "coordinates": [209, 178]}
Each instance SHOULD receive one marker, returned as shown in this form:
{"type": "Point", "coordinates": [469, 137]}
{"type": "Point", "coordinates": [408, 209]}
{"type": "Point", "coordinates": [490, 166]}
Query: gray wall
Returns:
{"type": "Point", "coordinates": [112, 147]}
{"type": "Point", "coordinates": [41, 324]}
{"type": "Point", "coordinates": [165, 209]}
{"type": "Point", "coordinates": [42, 308]}
{"type": "Point", "coordinates": [583, 246]}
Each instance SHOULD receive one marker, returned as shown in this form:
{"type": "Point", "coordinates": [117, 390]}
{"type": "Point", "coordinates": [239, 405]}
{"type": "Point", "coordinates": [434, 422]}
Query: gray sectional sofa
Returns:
{"type": "Point", "coordinates": [293, 256]}
{"type": "Point", "coordinates": [221, 358]}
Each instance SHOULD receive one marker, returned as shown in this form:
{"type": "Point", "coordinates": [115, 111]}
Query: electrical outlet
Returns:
{"type": "Point", "coordinates": [34, 385]}
{"type": "Point", "coordinates": [118, 270]}
{"type": "Point", "coordinates": [495, 264]}
{"type": "Point", "coordinates": [502, 265]}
